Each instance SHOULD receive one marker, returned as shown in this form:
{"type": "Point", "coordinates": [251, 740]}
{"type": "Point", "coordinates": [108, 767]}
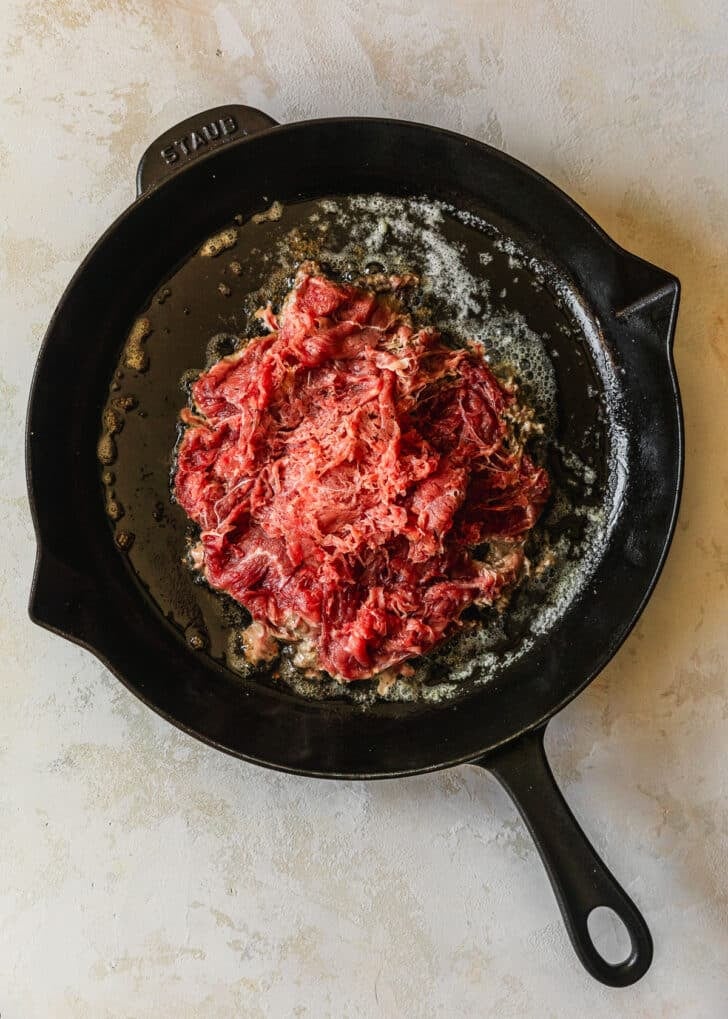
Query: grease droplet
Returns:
{"type": "Point", "coordinates": [219, 243]}
{"type": "Point", "coordinates": [135, 356]}
{"type": "Point", "coordinates": [113, 420]}
{"type": "Point", "coordinates": [114, 509]}
{"type": "Point", "coordinates": [106, 450]}
{"type": "Point", "coordinates": [196, 638]}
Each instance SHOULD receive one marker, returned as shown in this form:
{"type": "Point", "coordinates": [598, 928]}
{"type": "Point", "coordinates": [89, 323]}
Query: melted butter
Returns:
{"type": "Point", "coordinates": [463, 263]}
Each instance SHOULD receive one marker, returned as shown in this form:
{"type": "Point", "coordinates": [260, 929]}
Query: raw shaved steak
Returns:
{"type": "Point", "coordinates": [344, 469]}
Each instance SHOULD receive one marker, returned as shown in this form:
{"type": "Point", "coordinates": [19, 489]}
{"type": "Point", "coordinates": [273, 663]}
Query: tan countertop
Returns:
{"type": "Point", "coordinates": [142, 874]}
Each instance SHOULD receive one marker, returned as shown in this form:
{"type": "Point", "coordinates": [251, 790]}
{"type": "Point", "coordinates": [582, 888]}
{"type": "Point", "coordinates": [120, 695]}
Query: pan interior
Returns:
{"type": "Point", "coordinates": [479, 280]}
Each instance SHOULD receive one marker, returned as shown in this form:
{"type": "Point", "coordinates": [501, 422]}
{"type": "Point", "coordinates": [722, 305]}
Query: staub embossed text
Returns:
{"type": "Point", "coordinates": [198, 138]}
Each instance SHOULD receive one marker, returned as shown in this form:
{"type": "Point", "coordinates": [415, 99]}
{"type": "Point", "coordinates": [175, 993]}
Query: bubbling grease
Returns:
{"type": "Point", "coordinates": [400, 235]}
{"type": "Point", "coordinates": [407, 235]}
{"type": "Point", "coordinates": [457, 257]}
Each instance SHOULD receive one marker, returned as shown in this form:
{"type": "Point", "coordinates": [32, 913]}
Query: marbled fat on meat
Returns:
{"type": "Point", "coordinates": [342, 470]}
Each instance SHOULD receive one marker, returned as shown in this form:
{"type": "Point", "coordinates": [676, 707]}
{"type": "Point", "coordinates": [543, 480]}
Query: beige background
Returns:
{"type": "Point", "coordinates": [142, 874]}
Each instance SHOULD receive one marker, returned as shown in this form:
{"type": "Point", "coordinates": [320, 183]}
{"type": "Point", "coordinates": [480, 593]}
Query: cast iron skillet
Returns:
{"type": "Point", "coordinates": [190, 182]}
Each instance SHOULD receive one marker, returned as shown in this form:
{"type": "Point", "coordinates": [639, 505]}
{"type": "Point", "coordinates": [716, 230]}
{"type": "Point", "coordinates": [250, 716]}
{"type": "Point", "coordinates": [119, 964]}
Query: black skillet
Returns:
{"type": "Point", "coordinates": [191, 182]}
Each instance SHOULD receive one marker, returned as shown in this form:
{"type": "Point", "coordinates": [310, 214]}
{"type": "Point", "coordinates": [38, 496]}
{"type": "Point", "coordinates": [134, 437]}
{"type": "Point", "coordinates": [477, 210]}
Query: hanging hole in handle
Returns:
{"type": "Point", "coordinates": [609, 935]}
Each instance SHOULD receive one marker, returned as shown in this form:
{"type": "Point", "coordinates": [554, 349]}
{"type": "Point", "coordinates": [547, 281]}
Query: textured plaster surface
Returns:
{"type": "Point", "coordinates": [142, 874]}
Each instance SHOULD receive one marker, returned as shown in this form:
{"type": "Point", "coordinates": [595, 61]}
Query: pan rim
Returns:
{"type": "Point", "coordinates": [610, 649]}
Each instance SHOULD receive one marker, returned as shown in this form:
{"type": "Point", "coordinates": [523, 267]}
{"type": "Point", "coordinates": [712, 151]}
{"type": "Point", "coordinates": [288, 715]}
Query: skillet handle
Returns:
{"type": "Point", "coordinates": [193, 137]}
{"type": "Point", "coordinates": [580, 880]}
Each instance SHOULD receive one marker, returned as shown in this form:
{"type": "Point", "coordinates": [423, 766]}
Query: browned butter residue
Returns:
{"type": "Point", "coordinates": [271, 215]}
{"type": "Point", "coordinates": [214, 246]}
{"type": "Point", "coordinates": [135, 356]}
{"type": "Point", "coordinates": [106, 449]}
